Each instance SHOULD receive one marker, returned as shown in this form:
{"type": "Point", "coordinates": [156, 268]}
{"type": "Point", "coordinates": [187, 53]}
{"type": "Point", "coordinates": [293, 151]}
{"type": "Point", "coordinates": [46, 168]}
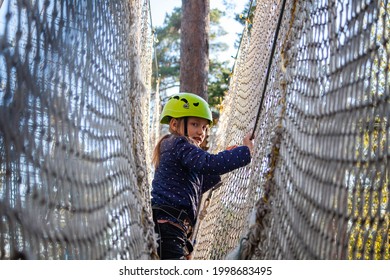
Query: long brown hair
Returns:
{"type": "Point", "coordinates": [157, 149]}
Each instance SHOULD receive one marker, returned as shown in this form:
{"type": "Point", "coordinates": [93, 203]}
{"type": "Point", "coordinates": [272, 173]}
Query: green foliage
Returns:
{"type": "Point", "coordinates": [168, 50]}
{"type": "Point", "coordinates": [218, 82]}
{"type": "Point", "coordinates": [369, 234]}
{"type": "Point", "coordinates": [368, 202]}
{"type": "Point", "coordinates": [246, 16]}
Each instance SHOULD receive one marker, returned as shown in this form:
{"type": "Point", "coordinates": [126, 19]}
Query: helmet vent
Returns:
{"type": "Point", "coordinates": [186, 104]}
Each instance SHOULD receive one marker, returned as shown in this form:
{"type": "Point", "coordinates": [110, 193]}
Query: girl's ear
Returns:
{"type": "Point", "coordinates": [173, 125]}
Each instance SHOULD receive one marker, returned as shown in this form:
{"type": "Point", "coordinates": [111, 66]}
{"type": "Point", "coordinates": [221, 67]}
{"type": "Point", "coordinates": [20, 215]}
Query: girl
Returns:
{"type": "Point", "coordinates": [184, 171]}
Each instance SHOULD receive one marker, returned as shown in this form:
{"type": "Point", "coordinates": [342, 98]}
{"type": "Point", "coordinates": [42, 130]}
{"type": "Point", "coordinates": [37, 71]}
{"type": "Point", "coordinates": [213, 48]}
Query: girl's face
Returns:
{"type": "Point", "coordinates": [196, 128]}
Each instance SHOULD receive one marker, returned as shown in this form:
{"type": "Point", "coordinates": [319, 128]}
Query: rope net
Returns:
{"type": "Point", "coordinates": [76, 133]}
{"type": "Point", "coordinates": [318, 183]}
{"type": "Point", "coordinates": [75, 77]}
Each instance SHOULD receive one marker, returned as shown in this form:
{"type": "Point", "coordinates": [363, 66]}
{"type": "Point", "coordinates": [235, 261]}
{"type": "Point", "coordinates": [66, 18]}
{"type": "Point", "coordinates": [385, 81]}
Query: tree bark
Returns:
{"type": "Point", "coordinates": [194, 51]}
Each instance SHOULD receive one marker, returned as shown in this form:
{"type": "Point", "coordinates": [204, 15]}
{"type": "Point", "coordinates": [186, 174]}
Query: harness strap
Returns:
{"type": "Point", "coordinates": [180, 215]}
{"type": "Point", "coordinates": [185, 126]}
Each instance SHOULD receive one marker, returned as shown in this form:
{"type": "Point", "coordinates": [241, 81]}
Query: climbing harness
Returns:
{"type": "Point", "coordinates": [179, 215]}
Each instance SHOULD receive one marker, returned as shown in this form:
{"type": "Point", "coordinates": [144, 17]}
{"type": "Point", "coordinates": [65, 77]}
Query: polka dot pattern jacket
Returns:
{"type": "Point", "coordinates": [185, 172]}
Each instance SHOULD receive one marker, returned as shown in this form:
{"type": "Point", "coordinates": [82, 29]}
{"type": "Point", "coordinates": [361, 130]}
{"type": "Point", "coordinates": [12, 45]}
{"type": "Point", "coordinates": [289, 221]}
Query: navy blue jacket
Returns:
{"type": "Point", "coordinates": [186, 171]}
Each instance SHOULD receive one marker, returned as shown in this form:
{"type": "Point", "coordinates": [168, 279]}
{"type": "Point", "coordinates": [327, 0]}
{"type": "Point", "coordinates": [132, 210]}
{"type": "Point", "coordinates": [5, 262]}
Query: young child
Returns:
{"type": "Point", "coordinates": [184, 171]}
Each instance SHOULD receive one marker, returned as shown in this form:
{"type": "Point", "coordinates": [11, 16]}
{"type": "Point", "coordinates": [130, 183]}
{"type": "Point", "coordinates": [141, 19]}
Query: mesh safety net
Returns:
{"type": "Point", "coordinates": [75, 77]}
{"type": "Point", "coordinates": [76, 137]}
{"type": "Point", "coordinates": [318, 183]}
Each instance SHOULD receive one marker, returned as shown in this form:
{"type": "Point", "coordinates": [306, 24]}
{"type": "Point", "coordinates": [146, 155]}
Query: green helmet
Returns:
{"type": "Point", "coordinates": [186, 105]}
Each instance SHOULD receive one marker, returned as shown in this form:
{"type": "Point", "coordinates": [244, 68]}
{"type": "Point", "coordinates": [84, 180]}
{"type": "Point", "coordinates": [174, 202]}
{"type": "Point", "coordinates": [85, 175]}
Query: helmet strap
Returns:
{"type": "Point", "coordinates": [185, 119]}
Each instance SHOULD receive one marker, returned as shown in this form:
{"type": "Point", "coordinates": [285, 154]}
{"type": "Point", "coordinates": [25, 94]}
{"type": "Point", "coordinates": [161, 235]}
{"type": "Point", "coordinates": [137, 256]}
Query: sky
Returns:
{"type": "Point", "coordinates": [159, 8]}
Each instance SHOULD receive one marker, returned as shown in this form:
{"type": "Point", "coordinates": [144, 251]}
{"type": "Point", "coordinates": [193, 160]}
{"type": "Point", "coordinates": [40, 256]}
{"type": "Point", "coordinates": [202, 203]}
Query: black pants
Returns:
{"type": "Point", "coordinates": [171, 242]}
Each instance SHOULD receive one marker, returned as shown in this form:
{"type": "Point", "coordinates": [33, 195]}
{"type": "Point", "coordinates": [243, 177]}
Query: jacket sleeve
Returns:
{"type": "Point", "coordinates": [210, 181]}
{"type": "Point", "coordinates": [202, 162]}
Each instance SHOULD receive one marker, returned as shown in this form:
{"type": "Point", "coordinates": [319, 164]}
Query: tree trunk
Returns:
{"type": "Point", "coordinates": [194, 52]}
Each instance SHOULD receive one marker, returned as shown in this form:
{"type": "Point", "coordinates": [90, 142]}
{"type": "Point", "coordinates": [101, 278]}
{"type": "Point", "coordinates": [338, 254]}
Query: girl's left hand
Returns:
{"type": "Point", "coordinates": [231, 147]}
